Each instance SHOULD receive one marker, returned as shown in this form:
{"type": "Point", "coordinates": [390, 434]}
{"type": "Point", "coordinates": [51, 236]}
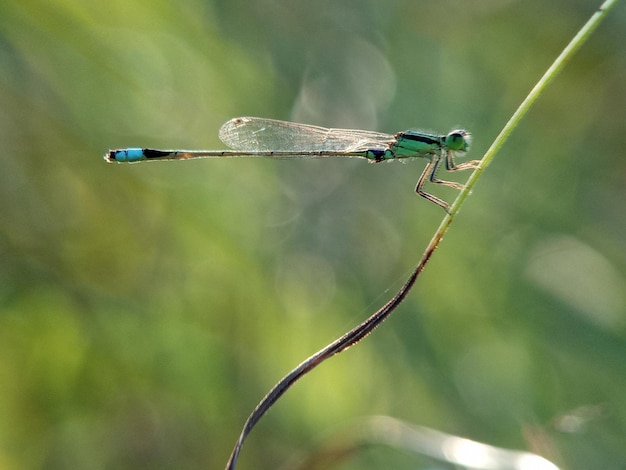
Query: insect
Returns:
{"type": "Point", "coordinates": [260, 137]}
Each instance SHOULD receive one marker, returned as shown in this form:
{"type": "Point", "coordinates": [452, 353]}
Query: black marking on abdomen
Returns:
{"type": "Point", "coordinates": [152, 153]}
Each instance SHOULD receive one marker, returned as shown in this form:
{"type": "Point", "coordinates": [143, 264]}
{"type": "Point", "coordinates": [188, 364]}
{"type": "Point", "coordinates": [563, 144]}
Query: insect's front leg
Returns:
{"type": "Point", "coordinates": [451, 165]}
{"type": "Point", "coordinates": [429, 172]}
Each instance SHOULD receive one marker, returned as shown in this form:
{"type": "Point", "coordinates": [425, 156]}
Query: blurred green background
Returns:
{"type": "Point", "coordinates": [145, 309]}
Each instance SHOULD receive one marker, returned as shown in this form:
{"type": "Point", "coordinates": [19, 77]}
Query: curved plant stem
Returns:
{"type": "Point", "coordinates": [359, 332]}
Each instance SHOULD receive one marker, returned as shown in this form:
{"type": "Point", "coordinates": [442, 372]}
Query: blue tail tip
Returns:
{"type": "Point", "coordinates": [127, 155]}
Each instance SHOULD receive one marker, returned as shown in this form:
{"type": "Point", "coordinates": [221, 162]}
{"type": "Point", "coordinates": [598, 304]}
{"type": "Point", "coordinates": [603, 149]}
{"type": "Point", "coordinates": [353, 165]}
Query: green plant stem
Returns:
{"type": "Point", "coordinates": [359, 332]}
{"type": "Point", "coordinates": [550, 74]}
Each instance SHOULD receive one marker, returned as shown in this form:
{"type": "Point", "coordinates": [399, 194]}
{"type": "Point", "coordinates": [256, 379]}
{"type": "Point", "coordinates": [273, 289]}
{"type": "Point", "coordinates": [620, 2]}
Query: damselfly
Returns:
{"type": "Point", "coordinates": [259, 137]}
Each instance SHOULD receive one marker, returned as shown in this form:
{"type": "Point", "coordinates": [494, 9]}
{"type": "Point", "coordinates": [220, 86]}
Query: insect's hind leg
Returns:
{"type": "Point", "coordinates": [429, 172]}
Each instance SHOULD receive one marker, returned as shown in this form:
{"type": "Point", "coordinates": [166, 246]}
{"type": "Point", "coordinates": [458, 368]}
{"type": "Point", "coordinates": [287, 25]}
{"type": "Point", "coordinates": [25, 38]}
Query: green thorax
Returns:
{"type": "Point", "coordinates": [416, 144]}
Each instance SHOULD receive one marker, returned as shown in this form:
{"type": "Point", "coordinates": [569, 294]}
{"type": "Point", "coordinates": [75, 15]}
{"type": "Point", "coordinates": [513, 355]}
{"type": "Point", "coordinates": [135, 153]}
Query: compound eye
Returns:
{"type": "Point", "coordinates": [458, 140]}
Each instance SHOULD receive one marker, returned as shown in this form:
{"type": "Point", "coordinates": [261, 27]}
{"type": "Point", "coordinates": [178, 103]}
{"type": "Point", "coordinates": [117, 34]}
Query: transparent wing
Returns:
{"type": "Point", "coordinates": [259, 134]}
